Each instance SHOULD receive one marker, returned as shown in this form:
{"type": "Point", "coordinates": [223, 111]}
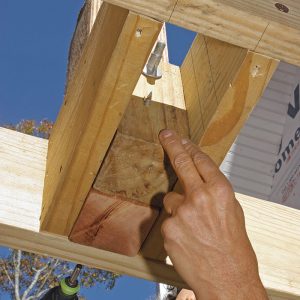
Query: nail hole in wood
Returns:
{"type": "Point", "coordinates": [282, 7]}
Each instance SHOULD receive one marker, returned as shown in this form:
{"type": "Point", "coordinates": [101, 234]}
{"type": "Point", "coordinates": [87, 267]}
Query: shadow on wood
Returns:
{"type": "Point", "coordinates": [128, 191]}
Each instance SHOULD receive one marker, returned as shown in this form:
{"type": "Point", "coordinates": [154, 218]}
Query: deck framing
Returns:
{"type": "Point", "coordinates": [39, 177]}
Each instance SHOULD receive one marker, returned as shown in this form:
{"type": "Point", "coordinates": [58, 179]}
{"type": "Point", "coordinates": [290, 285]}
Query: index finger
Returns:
{"type": "Point", "coordinates": [180, 159]}
{"type": "Point", "coordinates": [206, 167]}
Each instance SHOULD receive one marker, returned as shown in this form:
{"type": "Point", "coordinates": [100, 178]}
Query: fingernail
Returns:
{"type": "Point", "coordinates": [165, 133]}
{"type": "Point", "coordinates": [184, 141]}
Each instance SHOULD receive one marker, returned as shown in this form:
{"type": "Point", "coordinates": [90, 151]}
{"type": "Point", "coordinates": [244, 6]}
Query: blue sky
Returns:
{"type": "Point", "coordinates": [34, 42]}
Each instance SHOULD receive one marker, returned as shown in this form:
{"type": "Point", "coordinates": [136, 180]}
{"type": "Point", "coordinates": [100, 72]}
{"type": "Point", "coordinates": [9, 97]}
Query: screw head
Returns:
{"type": "Point", "coordinates": [282, 7]}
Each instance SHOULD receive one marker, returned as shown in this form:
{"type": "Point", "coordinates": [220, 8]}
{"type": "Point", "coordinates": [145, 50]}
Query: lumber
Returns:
{"type": "Point", "coordinates": [22, 172]}
{"type": "Point", "coordinates": [135, 174]}
{"type": "Point", "coordinates": [113, 224]}
{"type": "Point", "coordinates": [85, 22]}
{"type": "Point", "coordinates": [238, 78]}
{"type": "Point", "coordinates": [96, 98]}
{"type": "Point", "coordinates": [222, 83]}
{"type": "Point", "coordinates": [261, 26]}
{"type": "Point", "coordinates": [135, 166]}
{"type": "Point", "coordinates": [274, 230]}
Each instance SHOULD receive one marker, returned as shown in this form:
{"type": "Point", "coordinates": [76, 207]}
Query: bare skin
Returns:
{"type": "Point", "coordinates": [186, 295]}
{"type": "Point", "coordinates": [205, 235]}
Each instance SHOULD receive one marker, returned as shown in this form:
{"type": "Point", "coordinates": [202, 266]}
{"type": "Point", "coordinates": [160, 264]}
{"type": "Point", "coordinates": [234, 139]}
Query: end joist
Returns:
{"type": "Point", "coordinates": [97, 96]}
{"type": "Point", "coordinates": [267, 27]}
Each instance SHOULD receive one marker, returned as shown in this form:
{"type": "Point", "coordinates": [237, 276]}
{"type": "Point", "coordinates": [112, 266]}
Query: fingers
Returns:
{"type": "Point", "coordinates": [206, 167]}
{"type": "Point", "coordinates": [186, 295]}
{"type": "Point", "coordinates": [181, 161]}
{"type": "Point", "coordinates": [172, 201]}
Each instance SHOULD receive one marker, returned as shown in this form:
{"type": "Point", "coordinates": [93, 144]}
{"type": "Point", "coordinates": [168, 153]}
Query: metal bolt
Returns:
{"type": "Point", "coordinates": [282, 7]}
{"type": "Point", "coordinates": [147, 100]}
{"type": "Point", "coordinates": [151, 69]}
{"type": "Point", "coordinates": [75, 274]}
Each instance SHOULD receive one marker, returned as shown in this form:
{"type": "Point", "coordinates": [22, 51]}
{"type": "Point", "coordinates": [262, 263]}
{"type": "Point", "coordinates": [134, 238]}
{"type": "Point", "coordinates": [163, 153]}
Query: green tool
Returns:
{"type": "Point", "coordinates": [67, 289]}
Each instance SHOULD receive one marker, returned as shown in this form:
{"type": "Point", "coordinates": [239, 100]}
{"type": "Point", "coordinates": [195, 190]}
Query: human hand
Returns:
{"type": "Point", "coordinates": [186, 295]}
{"type": "Point", "coordinates": [205, 235]}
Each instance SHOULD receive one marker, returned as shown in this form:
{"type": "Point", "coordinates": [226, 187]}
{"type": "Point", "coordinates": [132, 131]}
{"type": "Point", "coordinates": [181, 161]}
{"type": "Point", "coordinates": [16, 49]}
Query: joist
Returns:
{"type": "Point", "coordinates": [266, 27]}
{"type": "Point", "coordinates": [228, 82]}
{"type": "Point", "coordinates": [222, 83]}
{"type": "Point", "coordinates": [274, 230]}
{"type": "Point", "coordinates": [108, 125]}
{"type": "Point", "coordinates": [97, 96]}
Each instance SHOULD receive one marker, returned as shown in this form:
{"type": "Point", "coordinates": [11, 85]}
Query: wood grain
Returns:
{"type": "Point", "coordinates": [112, 224]}
{"type": "Point", "coordinates": [256, 25]}
{"type": "Point", "coordinates": [94, 104]}
{"type": "Point", "coordinates": [219, 106]}
{"type": "Point", "coordinates": [236, 105]}
{"type": "Point", "coordinates": [158, 9]}
{"type": "Point", "coordinates": [274, 230]}
{"type": "Point", "coordinates": [22, 172]}
{"type": "Point", "coordinates": [135, 167]}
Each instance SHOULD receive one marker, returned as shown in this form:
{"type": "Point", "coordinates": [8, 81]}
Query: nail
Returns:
{"type": "Point", "coordinates": [165, 133]}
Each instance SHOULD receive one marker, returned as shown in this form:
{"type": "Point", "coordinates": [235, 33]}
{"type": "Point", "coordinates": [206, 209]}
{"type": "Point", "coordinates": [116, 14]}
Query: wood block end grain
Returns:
{"type": "Point", "coordinates": [113, 224]}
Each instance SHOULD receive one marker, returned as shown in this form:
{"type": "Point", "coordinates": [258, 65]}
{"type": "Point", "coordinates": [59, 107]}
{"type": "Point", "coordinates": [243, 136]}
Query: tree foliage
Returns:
{"type": "Point", "coordinates": [28, 276]}
{"type": "Point", "coordinates": [41, 129]}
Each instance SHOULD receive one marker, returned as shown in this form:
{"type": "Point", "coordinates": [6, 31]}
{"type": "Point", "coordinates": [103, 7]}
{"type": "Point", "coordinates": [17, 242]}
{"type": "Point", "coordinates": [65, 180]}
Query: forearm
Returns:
{"type": "Point", "coordinates": [205, 235]}
{"type": "Point", "coordinates": [254, 290]}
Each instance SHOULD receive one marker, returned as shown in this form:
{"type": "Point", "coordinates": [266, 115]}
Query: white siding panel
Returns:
{"type": "Point", "coordinates": [285, 77]}
{"type": "Point", "coordinates": [249, 164]}
{"type": "Point", "coordinates": [261, 134]}
{"type": "Point", "coordinates": [280, 88]}
{"type": "Point", "coordinates": [276, 96]}
{"type": "Point", "coordinates": [256, 144]}
{"type": "Point", "coordinates": [267, 125]}
{"type": "Point", "coordinates": [268, 115]}
{"type": "Point", "coordinates": [270, 105]}
{"type": "Point", "coordinates": [243, 171]}
{"type": "Point", "coordinates": [245, 185]}
{"type": "Point", "coordinates": [254, 155]}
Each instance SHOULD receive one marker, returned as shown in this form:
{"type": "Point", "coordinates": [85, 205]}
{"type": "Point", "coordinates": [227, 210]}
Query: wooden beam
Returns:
{"type": "Point", "coordinates": [256, 25]}
{"type": "Point", "coordinates": [97, 96]}
{"type": "Point", "coordinates": [226, 83]}
{"type": "Point", "coordinates": [274, 230]}
{"type": "Point", "coordinates": [222, 84]}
